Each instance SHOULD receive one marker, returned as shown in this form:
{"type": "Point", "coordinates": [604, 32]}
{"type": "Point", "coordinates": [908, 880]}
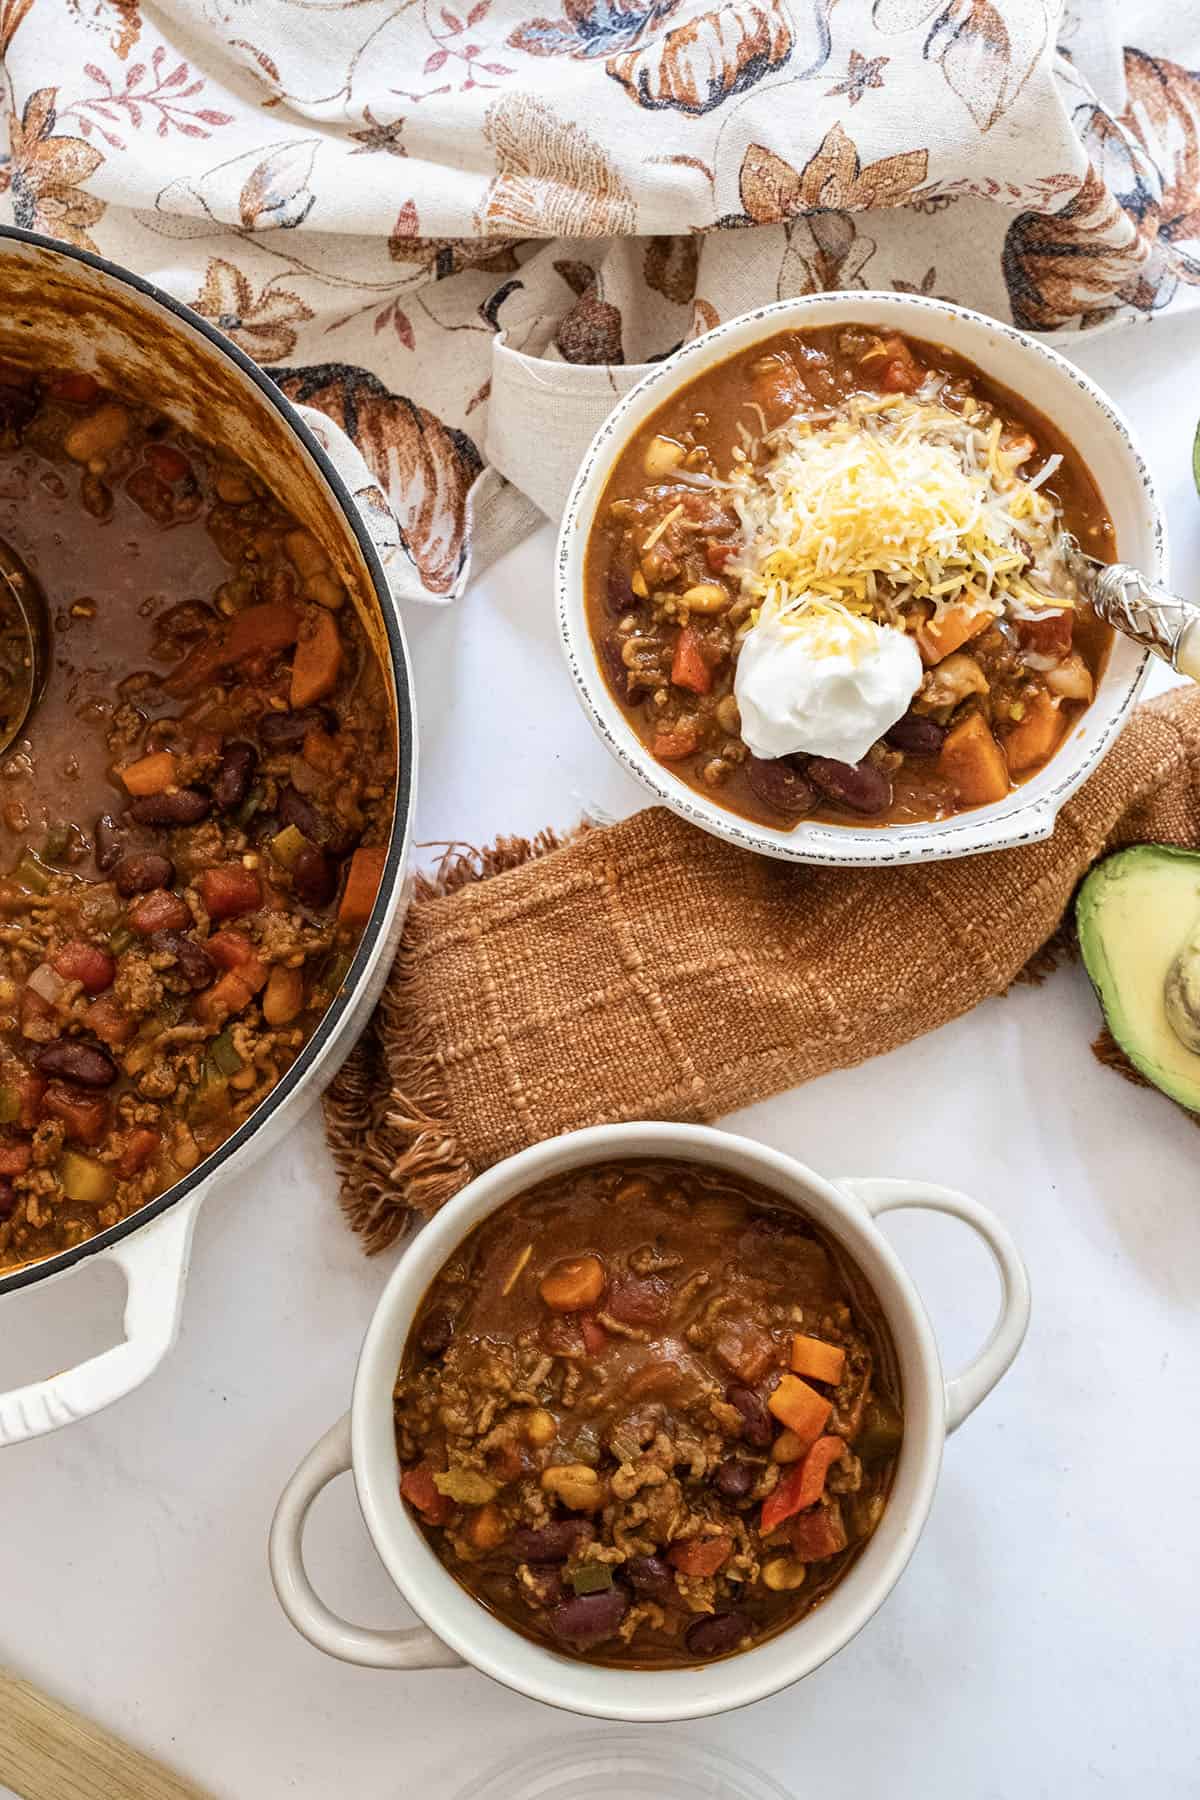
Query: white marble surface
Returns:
{"type": "Point", "coordinates": [1044, 1640]}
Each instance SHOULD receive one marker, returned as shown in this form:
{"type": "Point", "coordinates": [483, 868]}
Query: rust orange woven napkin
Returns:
{"type": "Point", "coordinates": [645, 970]}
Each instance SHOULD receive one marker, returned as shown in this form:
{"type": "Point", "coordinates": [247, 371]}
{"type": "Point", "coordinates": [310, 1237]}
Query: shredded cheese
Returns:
{"type": "Point", "coordinates": [895, 498]}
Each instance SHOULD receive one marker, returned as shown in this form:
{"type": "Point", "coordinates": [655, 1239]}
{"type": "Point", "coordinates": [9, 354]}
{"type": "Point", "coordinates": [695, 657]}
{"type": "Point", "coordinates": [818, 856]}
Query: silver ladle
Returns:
{"type": "Point", "coordinates": [24, 644]}
{"type": "Point", "coordinates": [1160, 621]}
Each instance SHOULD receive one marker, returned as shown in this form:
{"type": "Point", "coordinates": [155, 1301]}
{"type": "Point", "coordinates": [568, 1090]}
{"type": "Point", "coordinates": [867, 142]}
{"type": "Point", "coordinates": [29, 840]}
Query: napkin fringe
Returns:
{"type": "Point", "coordinates": [386, 1110]}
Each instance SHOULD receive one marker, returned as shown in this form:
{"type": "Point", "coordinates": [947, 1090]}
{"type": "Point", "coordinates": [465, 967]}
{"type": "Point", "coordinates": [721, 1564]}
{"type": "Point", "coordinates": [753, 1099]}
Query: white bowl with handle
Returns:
{"type": "Point", "coordinates": [1033, 371]}
{"type": "Point", "coordinates": [457, 1629]}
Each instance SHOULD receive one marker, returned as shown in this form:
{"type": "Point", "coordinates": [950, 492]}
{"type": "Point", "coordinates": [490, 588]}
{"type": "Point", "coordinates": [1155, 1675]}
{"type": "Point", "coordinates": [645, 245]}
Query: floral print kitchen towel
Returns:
{"type": "Point", "coordinates": [456, 230]}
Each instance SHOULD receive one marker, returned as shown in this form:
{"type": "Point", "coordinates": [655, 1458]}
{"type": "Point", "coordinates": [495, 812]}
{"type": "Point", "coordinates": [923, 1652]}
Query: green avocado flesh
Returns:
{"type": "Point", "coordinates": [1138, 915]}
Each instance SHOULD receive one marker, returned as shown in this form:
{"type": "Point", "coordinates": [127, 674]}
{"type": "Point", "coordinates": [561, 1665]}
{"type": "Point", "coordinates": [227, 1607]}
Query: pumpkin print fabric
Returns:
{"type": "Point", "coordinates": [454, 233]}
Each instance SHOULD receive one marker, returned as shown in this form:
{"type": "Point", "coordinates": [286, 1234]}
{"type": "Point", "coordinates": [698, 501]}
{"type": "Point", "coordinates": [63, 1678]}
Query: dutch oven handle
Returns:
{"type": "Point", "coordinates": [964, 1391]}
{"type": "Point", "coordinates": [418, 1648]}
{"type": "Point", "coordinates": [154, 1262]}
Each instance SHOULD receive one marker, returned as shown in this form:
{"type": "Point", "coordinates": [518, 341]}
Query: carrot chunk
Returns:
{"type": "Point", "coordinates": [152, 774]}
{"type": "Point", "coordinates": [700, 1556]}
{"type": "Point", "coordinates": [689, 669]}
{"type": "Point", "coordinates": [938, 638]}
{"type": "Point", "coordinates": [318, 659]}
{"type": "Point", "coordinates": [1035, 737]}
{"type": "Point", "coordinates": [974, 762]}
{"type": "Point", "coordinates": [272, 626]}
{"type": "Point", "coordinates": [818, 1360]}
{"type": "Point", "coordinates": [362, 885]}
{"type": "Point", "coordinates": [672, 746]}
{"type": "Point", "coordinates": [800, 1408]}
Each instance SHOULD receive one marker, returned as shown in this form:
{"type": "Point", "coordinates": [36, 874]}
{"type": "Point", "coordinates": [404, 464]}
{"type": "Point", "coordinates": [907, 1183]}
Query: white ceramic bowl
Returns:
{"type": "Point", "coordinates": [459, 1628]}
{"type": "Point", "coordinates": [1033, 371]}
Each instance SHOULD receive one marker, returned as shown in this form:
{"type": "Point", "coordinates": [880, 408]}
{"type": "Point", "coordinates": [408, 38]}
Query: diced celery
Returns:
{"type": "Point", "coordinates": [592, 1578]}
{"type": "Point", "coordinates": [224, 1055]}
{"type": "Point", "coordinates": [30, 873]}
{"type": "Point", "coordinates": [120, 940]}
{"type": "Point", "coordinates": [287, 844]}
{"type": "Point", "coordinates": [466, 1486]}
{"type": "Point", "coordinates": [251, 804]}
{"type": "Point", "coordinates": [58, 837]}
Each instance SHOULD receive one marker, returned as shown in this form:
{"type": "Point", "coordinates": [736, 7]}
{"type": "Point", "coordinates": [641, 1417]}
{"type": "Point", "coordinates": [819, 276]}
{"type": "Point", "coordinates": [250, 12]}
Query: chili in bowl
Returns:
{"type": "Point", "coordinates": [646, 1423]}
{"type": "Point", "coordinates": [813, 585]}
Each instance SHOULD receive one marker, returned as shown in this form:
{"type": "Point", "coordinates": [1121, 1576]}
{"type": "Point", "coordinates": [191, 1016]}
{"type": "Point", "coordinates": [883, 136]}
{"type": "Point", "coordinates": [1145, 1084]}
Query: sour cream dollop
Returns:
{"type": "Point", "coordinates": [822, 681]}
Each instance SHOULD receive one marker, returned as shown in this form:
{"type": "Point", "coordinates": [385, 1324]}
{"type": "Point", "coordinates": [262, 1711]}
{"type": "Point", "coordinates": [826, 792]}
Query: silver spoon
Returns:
{"type": "Point", "coordinates": [24, 644]}
{"type": "Point", "coordinates": [1160, 621]}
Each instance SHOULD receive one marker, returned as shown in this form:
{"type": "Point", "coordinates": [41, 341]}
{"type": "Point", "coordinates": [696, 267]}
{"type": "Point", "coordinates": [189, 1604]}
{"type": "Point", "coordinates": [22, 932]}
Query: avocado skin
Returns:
{"type": "Point", "coordinates": [1134, 912]}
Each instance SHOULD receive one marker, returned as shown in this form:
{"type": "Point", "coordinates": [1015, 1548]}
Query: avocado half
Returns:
{"type": "Point", "coordinates": [1138, 915]}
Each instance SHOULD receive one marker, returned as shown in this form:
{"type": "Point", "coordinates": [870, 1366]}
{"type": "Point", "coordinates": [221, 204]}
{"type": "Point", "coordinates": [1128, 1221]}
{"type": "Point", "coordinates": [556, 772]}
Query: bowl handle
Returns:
{"type": "Point", "coordinates": [975, 1383]}
{"type": "Point", "coordinates": [415, 1649]}
{"type": "Point", "coordinates": [154, 1262]}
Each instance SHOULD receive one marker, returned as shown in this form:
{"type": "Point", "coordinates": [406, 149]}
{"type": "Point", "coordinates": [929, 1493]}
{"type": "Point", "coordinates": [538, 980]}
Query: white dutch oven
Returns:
{"type": "Point", "coordinates": [1033, 371]}
{"type": "Point", "coordinates": [65, 306]}
{"type": "Point", "coordinates": [458, 1629]}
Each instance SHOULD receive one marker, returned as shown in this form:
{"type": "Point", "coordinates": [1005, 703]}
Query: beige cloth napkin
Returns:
{"type": "Point", "coordinates": [646, 970]}
{"type": "Point", "coordinates": [458, 229]}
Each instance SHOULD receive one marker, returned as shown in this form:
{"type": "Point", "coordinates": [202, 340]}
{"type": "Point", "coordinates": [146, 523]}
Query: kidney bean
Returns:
{"type": "Point", "coordinates": [717, 1634]}
{"type": "Point", "coordinates": [314, 877]}
{"type": "Point", "coordinates": [159, 910]}
{"type": "Point", "coordinates": [551, 1543]}
{"type": "Point", "coordinates": [638, 1300]}
{"type": "Point", "coordinates": [757, 1428]}
{"type": "Point", "coordinates": [920, 737]}
{"type": "Point", "coordinates": [589, 1618]}
{"type": "Point", "coordinates": [195, 964]}
{"type": "Point", "coordinates": [288, 730]}
{"type": "Point", "coordinates": [142, 871]}
{"type": "Point", "coordinates": [650, 1575]}
{"type": "Point", "coordinates": [186, 806]}
{"type": "Point", "coordinates": [18, 404]}
{"type": "Point", "coordinates": [8, 1199]}
{"type": "Point", "coordinates": [295, 810]}
{"type": "Point", "coordinates": [233, 778]}
{"type": "Point", "coordinates": [779, 786]}
{"type": "Point", "coordinates": [860, 786]}
{"type": "Point", "coordinates": [84, 1064]}
{"type": "Point", "coordinates": [435, 1332]}
{"type": "Point", "coordinates": [107, 840]}
{"type": "Point", "coordinates": [735, 1478]}
{"type": "Point", "coordinates": [621, 596]}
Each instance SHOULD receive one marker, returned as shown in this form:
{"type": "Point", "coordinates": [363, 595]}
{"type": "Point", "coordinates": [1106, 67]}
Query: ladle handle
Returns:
{"type": "Point", "coordinates": [1162, 622]}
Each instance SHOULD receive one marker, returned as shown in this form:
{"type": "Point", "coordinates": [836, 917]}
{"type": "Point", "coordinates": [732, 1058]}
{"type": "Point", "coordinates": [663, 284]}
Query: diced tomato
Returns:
{"type": "Point", "coordinates": [818, 1534]}
{"type": "Point", "coordinates": [417, 1486]}
{"type": "Point", "coordinates": [746, 1350]}
{"type": "Point", "coordinates": [689, 669]}
{"type": "Point", "coordinates": [139, 1148]}
{"type": "Point", "coordinates": [84, 1115]}
{"type": "Point", "coordinates": [229, 890]}
{"type": "Point", "coordinates": [14, 1159]}
{"type": "Point", "coordinates": [717, 555]}
{"type": "Point", "coordinates": [700, 1556]}
{"type": "Point", "coordinates": [82, 962]}
{"type": "Point", "coordinates": [901, 373]}
{"type": "Point", "coordinates": [1049, 635]}
{"type": "Point", "coordinates": [671, 746]}
{"type": "Point", "coordinates": [160, 910]}
{"type": "Point", "coordinates": [198, 667]}
{"type": "Point", "coordinates": [803, 1484]}
{"type": "Point", "coordinates": [594, 1335]}
{"type": "Point", "coordinates": [77, 388]}
{"type": "Point", "coordinates": [168, 463]}
{"type": "Point", "coordinates": [110, 1022]}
